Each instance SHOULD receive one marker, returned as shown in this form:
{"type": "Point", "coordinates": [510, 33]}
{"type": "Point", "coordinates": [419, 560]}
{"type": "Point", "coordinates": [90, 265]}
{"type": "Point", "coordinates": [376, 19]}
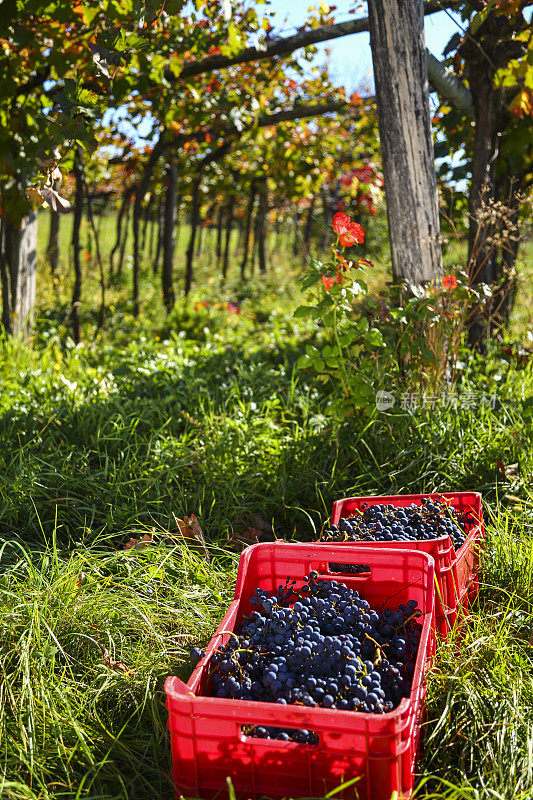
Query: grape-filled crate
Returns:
{"type": "Point", "coordinates": [313, 678]}
{"type": "Point", "coordinates": [448, 526]}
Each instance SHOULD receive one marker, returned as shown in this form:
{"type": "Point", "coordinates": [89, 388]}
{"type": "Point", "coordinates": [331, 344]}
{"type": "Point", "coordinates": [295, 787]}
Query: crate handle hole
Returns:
{"type": "Point", "coordinates": [292, 735]}
{"type": "Point", "coordinates": [349, 568]}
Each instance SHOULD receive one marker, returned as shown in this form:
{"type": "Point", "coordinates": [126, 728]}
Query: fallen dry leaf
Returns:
{"type": "Point", "coordinates": [189, 418]}
{"type": "Point", "coordinates": [190, 530]}
{"type": "Point", "coordinates": [140, 544]}
{"type": "Point", "coordinates": [506, 470]}
{"type": "Point", "coordinates": [258, 521]}
{"type": "Point", "coordinates": [117, 666]}
{"type": "Point", "coordinates": [236, 540]}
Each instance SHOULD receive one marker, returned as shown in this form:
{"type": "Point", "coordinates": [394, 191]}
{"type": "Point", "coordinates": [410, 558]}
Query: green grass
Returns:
{"type": "Point", "coordinates": [204, 413]}
{"type": "Point", "coordinates": [74, 722]}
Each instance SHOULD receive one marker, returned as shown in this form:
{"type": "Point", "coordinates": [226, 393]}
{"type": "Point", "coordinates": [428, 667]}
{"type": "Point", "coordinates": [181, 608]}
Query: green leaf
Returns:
{"type": "Point", "coordinates": [346, 338]}
{"type": "Point", "coordinates": [362, 392]}
{"type": "Point", "coordinates": [304, 362]}
{"type": "Point", "coordinates": [304, 311]}
{"type": "Point", "coordinates": [427, 354]}
{"type": "Point", "coordinates": [310, 280]}
{"type": "Point", "coordinates": [373, 338]}
{"type": "Point", "coordinates": [234, 38]}
{"type": "Point", "coordinates": [89, 13]}
{"type": "Point", "coordinates": [479, 18]}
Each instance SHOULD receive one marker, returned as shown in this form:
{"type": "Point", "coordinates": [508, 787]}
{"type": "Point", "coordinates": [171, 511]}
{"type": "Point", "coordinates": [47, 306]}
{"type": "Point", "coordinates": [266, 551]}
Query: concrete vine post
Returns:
{"type": "Point", "coordinates": [400, 74]}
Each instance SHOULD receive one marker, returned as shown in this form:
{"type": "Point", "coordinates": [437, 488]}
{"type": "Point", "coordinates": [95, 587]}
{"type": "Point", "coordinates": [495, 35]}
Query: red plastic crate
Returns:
{"type": "Point", "coordinates": [379, 750]}
{"type": "Point", "coordinates": [456, 573]}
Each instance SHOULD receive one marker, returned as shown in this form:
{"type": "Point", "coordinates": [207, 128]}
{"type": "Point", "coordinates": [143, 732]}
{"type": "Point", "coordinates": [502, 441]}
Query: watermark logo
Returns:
{"type": "Point", "coordinates": [411, 401]}
{"type": "Point", "coordinates": [384, 400]}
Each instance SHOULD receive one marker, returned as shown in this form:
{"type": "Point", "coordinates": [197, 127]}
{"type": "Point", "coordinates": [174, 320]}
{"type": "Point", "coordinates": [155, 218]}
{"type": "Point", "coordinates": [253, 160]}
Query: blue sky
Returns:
{"type": "Point", "coordinates": [350, 56]}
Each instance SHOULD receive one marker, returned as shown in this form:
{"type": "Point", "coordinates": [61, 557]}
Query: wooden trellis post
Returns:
{"type": "Point", "coordinates": [17, 270]}
{"type": "Point", "coordinates": [400, 74]}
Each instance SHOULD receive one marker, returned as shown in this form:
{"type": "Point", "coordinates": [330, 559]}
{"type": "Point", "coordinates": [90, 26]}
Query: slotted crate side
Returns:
{"type": "Point", "coordinates": [212, 746]}
{"type": "Point", "coordinates": [267, 565]}
{"type": "Point", "coordinates": [208, 742]}
{"type": "Point", "coordinates": [455, 572]}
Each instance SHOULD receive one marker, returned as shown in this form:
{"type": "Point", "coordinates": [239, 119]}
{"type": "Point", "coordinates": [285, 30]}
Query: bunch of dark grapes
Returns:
{"type": "Point", "coordinates": [385, 523]}
{"type": "Point", "coordinates": [321, 646]}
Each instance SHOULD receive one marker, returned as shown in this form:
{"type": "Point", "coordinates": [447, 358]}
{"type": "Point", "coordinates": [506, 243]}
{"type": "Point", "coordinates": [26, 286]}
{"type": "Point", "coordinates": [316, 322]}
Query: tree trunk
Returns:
{"type": "Point", "coordinates": [247, 228]}
{"type": "Point", "coordinates": [199, 247]}
{"type": "Point", "coordinates": [124, 207]}
{"type": "Point", "coordinates": [220, 220]}
{"type": "Point", "coordinates": [151, 242]}
{"type": "Point", "coordinates": [493, 183]}
{"type": "Point", "coordinates": [52, 251]}
{"type": "Point", "coordinates": [400, 75]}
{"type": "Point", "coordinates": [124, 240]}
{"type": "Point", "coordinates": [17, 269]}
{"type": "Point", "coordinates": [169, 239]}
{"type": "Point", "coordinates": [160, 234]}
{"type": "Point", "coordinates": [140, 192]}
{"type": "Point", "coordinates": [177, 230]}
{"type": "Point", "coordinates": [147, 215]}
{"type": "Point", "coordinates": [261, 227]}
{"type": "Point", "coordinates": [195, 216]}
{"type": "Point", "coordinates": [328, 216]}
{"type": "Point", "coordinates": [78, 213]}
{"type": "Point", "coordinates": [90, 215]}
{"type": "Point", "coordinates": [482, 267]}
{"type": "Point", "coordinates": [239, 244]}
{"type": "Point", "coordinates": [229, 225]}
{"type": "Point", "coordinates": [277, 236]}
{"type": "Point", "coordinates": [296, 239]}
{"type": "Point", "coordinates": [307, 229]}
{"type": "Point", "coordinates": [481, 256]}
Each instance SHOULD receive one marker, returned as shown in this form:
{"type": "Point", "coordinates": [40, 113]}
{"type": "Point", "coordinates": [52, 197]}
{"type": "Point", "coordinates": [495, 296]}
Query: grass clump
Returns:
{"type": "Point", "coordinates": [87, 639]}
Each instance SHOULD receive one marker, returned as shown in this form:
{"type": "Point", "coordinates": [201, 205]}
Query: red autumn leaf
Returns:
{"type": "Point", "coordinates": [140, 544]}
{"type": "Point", "coordinates": [191, 532]}
{"type": "Point", "coordinates": [116, 666]}
{"type": "Point", "coordinates": [364, 262]}
{"type": "Point", "coordinates": [506, 470]}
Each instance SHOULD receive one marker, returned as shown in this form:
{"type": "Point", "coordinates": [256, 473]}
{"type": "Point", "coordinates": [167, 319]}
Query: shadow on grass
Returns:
{"type": "Point", "coordinates": [224, 436]}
